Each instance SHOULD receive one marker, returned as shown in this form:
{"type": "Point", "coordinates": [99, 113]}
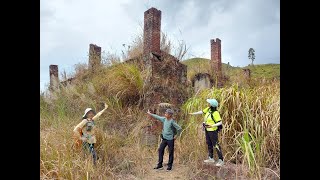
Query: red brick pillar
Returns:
{"type": "Point", "coordinates": [151, 44]}
{"type": "Point", "coordinates": [94, 56]}
{"type": "Point", "coordinates": [216, 59]}
{"type": "Point", "coordinates": [54, 77]}
{"type": "Point", "coordinates": [151, 32]}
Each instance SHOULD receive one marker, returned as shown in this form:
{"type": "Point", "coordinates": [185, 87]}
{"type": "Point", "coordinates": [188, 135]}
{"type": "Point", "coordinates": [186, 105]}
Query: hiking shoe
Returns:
{"type": "Point", "coordinates": [210, 160]}
{"type": "Point", "coordinates": [169, 168]}
{"type": "Point", "coordinates": [158, 167]}
{"type": "Point", "coordinates": [220, 163]}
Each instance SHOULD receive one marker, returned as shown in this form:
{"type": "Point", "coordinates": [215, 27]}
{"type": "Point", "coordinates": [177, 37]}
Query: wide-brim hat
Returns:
{"type": "Point", "coordinates": [86, 111]}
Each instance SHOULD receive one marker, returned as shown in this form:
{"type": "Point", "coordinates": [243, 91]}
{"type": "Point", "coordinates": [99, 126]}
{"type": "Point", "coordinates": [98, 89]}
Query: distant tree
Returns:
{"type": "Point", "coordinates": [251, 55]}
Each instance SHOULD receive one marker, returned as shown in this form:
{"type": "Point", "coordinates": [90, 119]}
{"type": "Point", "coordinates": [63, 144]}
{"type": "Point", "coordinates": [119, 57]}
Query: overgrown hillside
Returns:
{"type": "Point", "coordinates": [267, 71]}
{"type": "Point", "coordinates": [250, 137]}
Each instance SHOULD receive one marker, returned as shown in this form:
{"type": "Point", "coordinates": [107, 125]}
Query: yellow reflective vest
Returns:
{"type": "Point", "coordinates": [208, 118]}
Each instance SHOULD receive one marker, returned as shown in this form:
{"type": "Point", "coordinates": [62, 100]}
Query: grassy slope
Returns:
{"type": "Point", "coordinates": [122, 153]}
{"type": "Point", "coordinates": [257, 71]}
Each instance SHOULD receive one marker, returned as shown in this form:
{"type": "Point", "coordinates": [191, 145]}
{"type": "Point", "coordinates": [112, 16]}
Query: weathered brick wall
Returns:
{"type": "Point", "coordinates": [151, 33]}
{"type": "Point", "coordinates": [202, 81]}
{"type": "Point", "coordinates": [167, 76]}
{"type": "Point", "coordinates": [94, 56]}
{"type": "Point", "coordinates": [216, 59]}
{"type": "Point", "coordinates": [167, 83]}
{"type": "Point", "coordinates": [54, 77]}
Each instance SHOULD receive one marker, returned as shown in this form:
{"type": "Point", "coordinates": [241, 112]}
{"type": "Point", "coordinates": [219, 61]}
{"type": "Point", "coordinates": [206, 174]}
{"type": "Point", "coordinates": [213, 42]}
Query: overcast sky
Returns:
{"type": "Point", "coordinates": [67, 27]}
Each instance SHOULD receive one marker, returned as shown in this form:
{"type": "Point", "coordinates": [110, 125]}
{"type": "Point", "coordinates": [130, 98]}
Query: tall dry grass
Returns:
{"type": "Point", "coordinates": [251, 127]}
{"type": "Point", "coordinates": [250, 135]}
{"type": "Point", "coordinates": [250, 113]}
{"type": "Point", "coordinates": [122, 155]}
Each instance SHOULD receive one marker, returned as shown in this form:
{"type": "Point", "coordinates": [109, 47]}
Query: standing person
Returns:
{"type": "Point", "coordinates": [85, 130]}
{"type": "Point", "coordinates": [168, 136]}
{"type": "Point", "coordinates": [212, 125]}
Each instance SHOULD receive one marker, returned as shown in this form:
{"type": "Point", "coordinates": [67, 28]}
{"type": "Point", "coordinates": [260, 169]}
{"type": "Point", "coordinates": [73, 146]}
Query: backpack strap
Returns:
{"type": "Point", "coordinates": [211, 113]}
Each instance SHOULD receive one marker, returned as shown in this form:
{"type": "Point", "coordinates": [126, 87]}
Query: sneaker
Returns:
{"type": "Point", "coordinates": [158, 167]}
{"type": "Point", "coordinates": [210, 160]}
{"type": "Point", "coordinates": [169, 168]}
{"type": "Point", "coordinates": [220, 163]}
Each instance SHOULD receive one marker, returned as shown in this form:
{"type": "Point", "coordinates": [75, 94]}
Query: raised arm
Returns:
{"type": "Point", "coordinates": [99, 113]}
{"type": "Point", "coordinates": [196, 113]}
{"type": "Point", "coordinates": [160, 118]}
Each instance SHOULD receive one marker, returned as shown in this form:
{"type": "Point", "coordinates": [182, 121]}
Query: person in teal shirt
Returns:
{"type": "Point", "coordinates": [212, 124]}
{"type": "Point", "coordinates": [167, 136]}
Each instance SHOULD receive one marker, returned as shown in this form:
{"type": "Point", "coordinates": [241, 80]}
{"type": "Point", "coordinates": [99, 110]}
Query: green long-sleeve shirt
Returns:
{"type": "Point", "coordinates": [167, 131]}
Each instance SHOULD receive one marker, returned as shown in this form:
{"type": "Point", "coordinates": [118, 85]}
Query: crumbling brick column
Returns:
{"type": "Point", "coordinates": [216, 59]}
{"type": "Point", "coordinates": [54, 77]}
{"type": "Point", "coordinates": [166, 77]}
{"type": "Point", "coordinates": [94, 56]}
{"type": "Point", "coordinates": [247, 73]}
{"type": "Point", "coordinates": [151, 32]}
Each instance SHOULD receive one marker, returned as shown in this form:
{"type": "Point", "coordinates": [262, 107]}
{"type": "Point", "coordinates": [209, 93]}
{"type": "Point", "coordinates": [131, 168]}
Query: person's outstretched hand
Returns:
{"type": "Point", "coordinates": [106, 106]}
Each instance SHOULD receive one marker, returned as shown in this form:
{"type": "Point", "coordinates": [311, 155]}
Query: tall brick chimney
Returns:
{"type": "Point", "coordinates": [54, 77]}
{"type": "Point", "coordinates": [151, 32]}
{"type": "Point", "coordinates": [94, 55]}
{"type": "Point", "coordinates": [216, 58]}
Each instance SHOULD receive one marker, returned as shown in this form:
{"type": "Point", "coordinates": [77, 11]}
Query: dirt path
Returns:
{"type": "Point", "coordinates": [179, 171]}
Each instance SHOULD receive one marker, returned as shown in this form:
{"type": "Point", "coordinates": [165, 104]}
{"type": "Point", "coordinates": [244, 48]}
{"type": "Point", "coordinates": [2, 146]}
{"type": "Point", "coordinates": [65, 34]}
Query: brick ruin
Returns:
{"type": "Point", "coordinates": [94, 56]}
{"type": "Point", "coordinates": [246, 73]}
{"type": "Point", "coordinates": [54, 77]}
{"type": "Point", "coordinates": [216, 60]}
{"type": "Point", "coordinates": [167, 76]}
{"type": "Point", "coordinates": [152, 31]}
{"type": "Point", "coordinates": [94, 62]}
{"type": "Point", "coordinates": [166, 80]}
{"type": "Point", "coordinates": [217, 79]}
{"type": "Point", "coordinates": [202, 81]}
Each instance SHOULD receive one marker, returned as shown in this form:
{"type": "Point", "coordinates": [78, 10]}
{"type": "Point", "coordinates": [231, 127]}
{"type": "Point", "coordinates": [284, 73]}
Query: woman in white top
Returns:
{"type": "Point", "coordinates": [85, 130]}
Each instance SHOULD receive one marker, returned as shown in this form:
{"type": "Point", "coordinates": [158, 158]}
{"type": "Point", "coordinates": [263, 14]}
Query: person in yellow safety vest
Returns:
{"type": "Point", "coordinates": [212, 125]}
{"type": "Point", "coordinates": [85, 130]}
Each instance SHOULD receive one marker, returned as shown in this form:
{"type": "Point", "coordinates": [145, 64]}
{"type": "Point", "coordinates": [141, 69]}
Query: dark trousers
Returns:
{"type": "Point", "coordinates": [90, 147]}
{"type": "Point", "coordinates": [162, 146]}
{"type": "Point", "coordinates": [212, 142]}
